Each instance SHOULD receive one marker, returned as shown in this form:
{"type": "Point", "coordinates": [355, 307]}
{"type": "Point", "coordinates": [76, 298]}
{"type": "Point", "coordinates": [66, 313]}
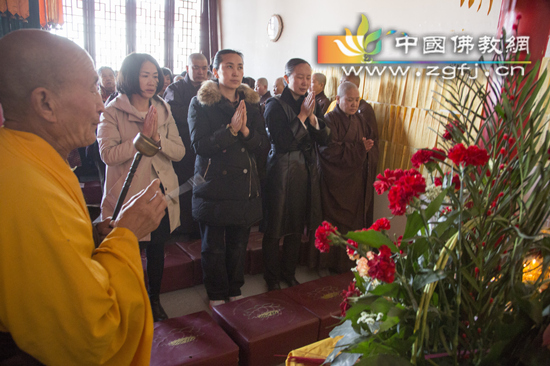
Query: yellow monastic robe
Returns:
{"type": "Point", "coordinates": [63, 302]}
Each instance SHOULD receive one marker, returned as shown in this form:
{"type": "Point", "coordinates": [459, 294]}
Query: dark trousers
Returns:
{"type": "Point", "coordinates": [223, 253]}
{"type": "Point", "coordinates": [154, 251]}
{"type": "Point", "coordinates": [275, 270]}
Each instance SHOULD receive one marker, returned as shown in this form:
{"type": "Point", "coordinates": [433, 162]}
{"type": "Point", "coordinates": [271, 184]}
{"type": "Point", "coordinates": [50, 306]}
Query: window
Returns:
{"type": "Point", "coordinates": [169, 30]}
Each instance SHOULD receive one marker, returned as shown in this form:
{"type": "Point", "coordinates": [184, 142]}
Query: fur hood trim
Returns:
{"type": "Point", "coordinates": [209, 93]}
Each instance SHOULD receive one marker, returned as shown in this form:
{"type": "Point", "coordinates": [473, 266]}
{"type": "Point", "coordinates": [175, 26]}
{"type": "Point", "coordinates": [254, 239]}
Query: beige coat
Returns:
{"type": "Point", "coordinates": [119, 124]}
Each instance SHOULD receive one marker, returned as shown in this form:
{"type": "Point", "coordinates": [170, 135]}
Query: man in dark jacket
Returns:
{"type": "Point", "coordinates": [179, 95]}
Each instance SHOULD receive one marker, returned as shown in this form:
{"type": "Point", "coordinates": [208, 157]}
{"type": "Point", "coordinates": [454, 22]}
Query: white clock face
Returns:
{"type": "Point", "coordinates": [274, 27]}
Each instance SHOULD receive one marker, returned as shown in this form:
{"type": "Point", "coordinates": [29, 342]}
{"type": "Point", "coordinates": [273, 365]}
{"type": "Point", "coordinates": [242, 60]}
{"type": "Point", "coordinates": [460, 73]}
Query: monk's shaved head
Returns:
{"type": "Point", "coordinates": [45, 60]}
{"type": "Point", "coordinates": [49, 88]}
{"type": "Point", "coordinates": [352, 78]}
{"type": "Point", "coordinates": [345, 87]}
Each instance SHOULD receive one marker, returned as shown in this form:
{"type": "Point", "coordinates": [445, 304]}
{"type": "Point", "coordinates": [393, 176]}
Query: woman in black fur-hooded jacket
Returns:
{"type": "Point", "coordinates": [227, 131]}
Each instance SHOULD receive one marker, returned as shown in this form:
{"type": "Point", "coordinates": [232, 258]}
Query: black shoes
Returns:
{"type": "Point", "coordinates": [158, 312]}
{"type": "Point", "coordinates": [292, 282]}
{"type": "Point", "coordinates": [272, 286]}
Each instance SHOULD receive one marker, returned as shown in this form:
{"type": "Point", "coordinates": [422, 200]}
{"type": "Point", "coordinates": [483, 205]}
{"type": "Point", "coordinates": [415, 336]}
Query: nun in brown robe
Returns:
{"type": "Point", "coordinates": [345, 166]}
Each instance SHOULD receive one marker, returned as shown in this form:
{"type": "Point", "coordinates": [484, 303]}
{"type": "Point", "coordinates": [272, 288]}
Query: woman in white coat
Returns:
{"type": "Point", "coordinates": [137, 108]}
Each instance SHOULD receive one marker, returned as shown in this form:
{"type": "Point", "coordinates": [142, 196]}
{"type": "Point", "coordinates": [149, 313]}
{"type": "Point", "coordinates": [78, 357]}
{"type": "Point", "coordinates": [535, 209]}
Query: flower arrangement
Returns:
{"type": "Point", "coordinates": [449, 291]}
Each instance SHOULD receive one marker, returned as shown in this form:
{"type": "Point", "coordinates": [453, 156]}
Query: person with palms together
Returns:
{"type": "Point", "coordinates": [227, 132]}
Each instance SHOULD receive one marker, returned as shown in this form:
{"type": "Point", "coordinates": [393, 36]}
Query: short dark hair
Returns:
{"type": "Point", "coordinates": [218, 58]}
{"type": "Point", "coordinates": [128, 76]}
{"type": "Point", "coordinates": [292, 63]}
{"type": "Point", "coordinates": [249, 81]}
{"type": "Point", "coordinates": [166, 71]}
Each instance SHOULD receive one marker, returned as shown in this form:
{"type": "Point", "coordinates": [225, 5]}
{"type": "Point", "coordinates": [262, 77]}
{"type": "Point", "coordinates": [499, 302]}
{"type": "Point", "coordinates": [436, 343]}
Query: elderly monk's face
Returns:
{"type": "Point", "coordinates": [278, 86]}
{"type": "Point", "coordinates": [350, 102]}
{"type": "Point", "coordinates": [316, 86]}
{"type": "Point", "coordinates": [81, 102]}
{"type": "Point", "coordinates": [260, 88]}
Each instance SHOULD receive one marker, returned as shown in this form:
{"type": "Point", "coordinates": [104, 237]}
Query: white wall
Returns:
{"type": "Point", "coordinates": [244, 27]}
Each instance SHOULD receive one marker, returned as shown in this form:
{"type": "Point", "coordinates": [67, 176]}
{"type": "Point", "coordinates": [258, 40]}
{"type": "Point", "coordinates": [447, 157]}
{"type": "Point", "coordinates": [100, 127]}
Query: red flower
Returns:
{"type": "Point", "coordinates": [322, 241]}
{"type": "Point", "coordinates": [381, 224]}
{"type": "Point", "coordinates": [456, 181]}
{"type": "Point", "coordinates": [425, 156]}
{"type": "Point", "coordinates": [410, 185]}
{"type": "Point", "coordinates": [382, 267]}
{"type": "Point", "coordinates": [350, 251]}
{"type": "Point", "coordinates": [352, 291]}
{"type": "Point", "coordinates": [476, 156]}
{"type": "Point", "coordinates": [457, 153]}
{"type": "Point", "coordinates": [385, 181]}
{"type": "Point", "coordinates": [511, 140]}
{"type": "Point", "coordinates": [449, 128]}
{"type": "Point", "coordinates": [438, 182]}
{"type": "Point", "coordinates": [473, 155]}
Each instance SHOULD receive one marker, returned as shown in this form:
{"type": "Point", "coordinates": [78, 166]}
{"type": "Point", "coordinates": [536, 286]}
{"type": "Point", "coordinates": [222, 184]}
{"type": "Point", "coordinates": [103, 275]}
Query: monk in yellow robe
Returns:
{"type": "Point", "coordinates": [62, 301]}
{"type": "Point", "coordinates": [345, 169]}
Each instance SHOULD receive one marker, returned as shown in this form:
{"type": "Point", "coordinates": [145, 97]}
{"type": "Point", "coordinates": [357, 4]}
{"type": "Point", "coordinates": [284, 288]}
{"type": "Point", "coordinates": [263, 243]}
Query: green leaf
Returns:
{"type": "Point", "coordinates": [435, 205]}
{"type": "Point", "coordinates": [414, 223]}
{"type": "Point", "coordinates": [387, 289]}
{"type": "Point", "coordinates": [426, 277]}
{"type": "Point", "coordinates": [364, 26]}
{"type": "Point", "coordinates": [417, 248]}
{"type": "Point", "coordinates": [390, 322]}
{"type": "Point", "coordinates": [383, 360]}
{"type": "Point", "coordinates": [372, 238]}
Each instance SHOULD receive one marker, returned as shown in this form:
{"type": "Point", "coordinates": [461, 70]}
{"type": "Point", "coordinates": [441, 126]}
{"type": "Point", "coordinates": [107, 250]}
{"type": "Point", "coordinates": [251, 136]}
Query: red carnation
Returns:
{"type": "Point", "coordinates": [352, 291]}
{"type": "Point", "coordinates": [438, 182]}
{"type": "Point", "coordinates": [473, 155]}
{"type": "Point", "coordinates": [424, 156]}
{"type": "Point", "coordinates": [457, 153]}
{"type": "Point", "coordinates": [456, 181]}
{"type": "Point", "coordinates": [476, 156]}
{"type": "Point", "coordinates": [408, 186]}
{"type": "Point", "coordinates": [381, 224]}
{"type": "Point", "coordinates": [322, 241]}
{"type": "Point", "coordinates": [449, 128]}
{"type": "Point", "coordinates": [350, 251]}
{"type": "Point", "coordinates": [382, 267]}
{"type": "Point", "coordinates": [385, 181]}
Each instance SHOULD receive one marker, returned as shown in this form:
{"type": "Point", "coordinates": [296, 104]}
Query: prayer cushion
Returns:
{"type": "Point", "coordinates": [266, 325]}
{"type": "Point", "coordinates": [192, 340]}
{"type": "Point", "coordinates": [193, 250]}
{"type": "Point", "coordinates": [322, 297]}
{"type": "Point", "coordinates": [178, 269]}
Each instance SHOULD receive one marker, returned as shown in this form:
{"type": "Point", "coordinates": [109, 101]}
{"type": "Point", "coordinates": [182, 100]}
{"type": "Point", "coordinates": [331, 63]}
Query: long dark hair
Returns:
{"type": "Point", "coordinates": [128, 76]}
{"type": "Point", "coordinates": [292, 63]}
{"type": "Point", "coordinates": [218, 58]}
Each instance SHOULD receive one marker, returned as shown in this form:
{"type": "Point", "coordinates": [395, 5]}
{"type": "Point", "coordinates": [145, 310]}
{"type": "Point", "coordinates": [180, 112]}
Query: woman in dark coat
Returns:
{"type": "Point", "coordinates": [227, 130]}
{"type": "Point", "coordinates": [293, 200]}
